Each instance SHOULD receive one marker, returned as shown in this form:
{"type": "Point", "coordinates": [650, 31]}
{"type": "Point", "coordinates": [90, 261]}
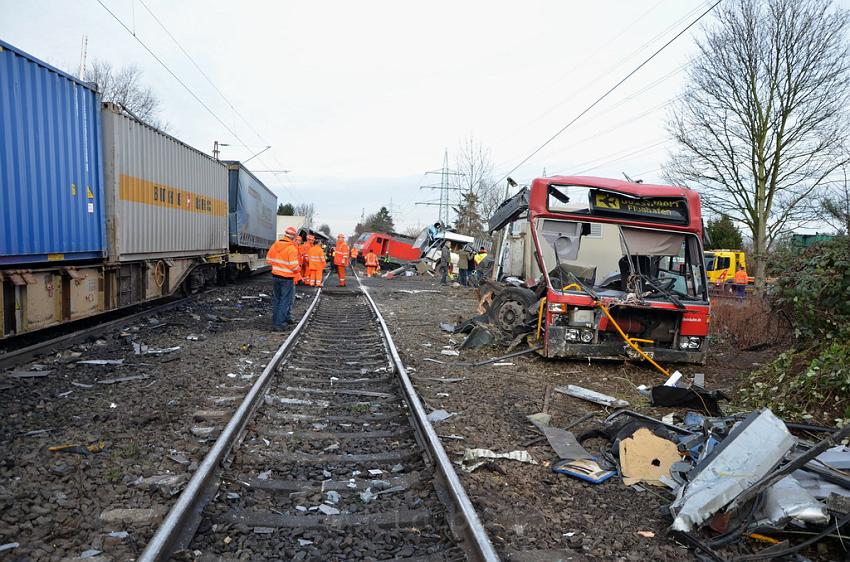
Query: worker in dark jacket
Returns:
{"type": "Point", "coordinates": [463, 259]}
{"type": "Point", "coordinates": [443, 264]}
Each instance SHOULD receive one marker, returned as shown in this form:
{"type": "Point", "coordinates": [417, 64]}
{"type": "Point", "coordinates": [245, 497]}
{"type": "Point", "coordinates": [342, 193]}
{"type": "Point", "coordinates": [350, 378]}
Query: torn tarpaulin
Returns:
{"type": "Point", "coordinates": [693, 397]}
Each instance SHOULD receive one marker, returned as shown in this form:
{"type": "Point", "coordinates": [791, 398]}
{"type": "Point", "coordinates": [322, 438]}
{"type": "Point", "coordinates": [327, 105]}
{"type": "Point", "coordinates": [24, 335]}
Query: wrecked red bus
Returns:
{"type": "Point", "coordinates": [602, 268]}
{"type": "Point", "coordinates": [390, 247]}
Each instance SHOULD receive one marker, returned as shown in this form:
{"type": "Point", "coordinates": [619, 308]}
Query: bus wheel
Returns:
{"type": "Point", "coordinates": [510, 310]}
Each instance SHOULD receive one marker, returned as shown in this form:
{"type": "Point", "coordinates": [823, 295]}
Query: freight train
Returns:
{"type": "Point", "coordinates": [100, 211]}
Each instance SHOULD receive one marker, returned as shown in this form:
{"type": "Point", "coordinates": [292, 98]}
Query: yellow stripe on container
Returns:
{"type": "Point", "coordinates": [138, 190]}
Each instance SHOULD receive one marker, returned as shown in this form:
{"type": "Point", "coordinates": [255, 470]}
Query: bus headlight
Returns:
{"type": "Point", "coordinates": [586, 336]}
{"type": "Point", "coordinates": [557, 307]}
{"type": "Point", "coordinates": [573, 334]}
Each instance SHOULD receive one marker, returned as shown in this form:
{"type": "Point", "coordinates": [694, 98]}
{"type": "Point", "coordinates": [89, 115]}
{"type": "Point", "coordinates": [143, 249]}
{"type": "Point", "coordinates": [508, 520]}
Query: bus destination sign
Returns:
{"type": "Point", "coordinates": [653, 209]}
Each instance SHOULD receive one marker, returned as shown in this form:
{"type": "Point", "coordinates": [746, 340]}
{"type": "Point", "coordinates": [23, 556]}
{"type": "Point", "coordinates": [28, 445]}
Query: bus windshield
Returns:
{"type": "Point", "coordinates": [616, 259]}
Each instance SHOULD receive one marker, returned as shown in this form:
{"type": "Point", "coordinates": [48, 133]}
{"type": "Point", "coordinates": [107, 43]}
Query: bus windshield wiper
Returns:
{"type": "Point", "coordinates": [673, 298]}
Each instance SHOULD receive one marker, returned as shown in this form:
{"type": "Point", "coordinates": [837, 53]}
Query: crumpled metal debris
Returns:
{"type": "Point", "coordinates": [752, 450]}
{"type": "Point", "coordinates": [787, 500]}
{"type": "Point", "coordinates": [591, 396]}
{"type": "Point", "coordinates": [473, 455]}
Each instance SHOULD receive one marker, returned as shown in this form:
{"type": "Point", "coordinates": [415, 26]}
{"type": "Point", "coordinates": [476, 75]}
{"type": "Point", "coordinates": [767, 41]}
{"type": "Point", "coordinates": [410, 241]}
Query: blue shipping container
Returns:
{"type": "Point", "coordinates": [253, 210]}
{"type": "Point", "coordinates": [51, 167]}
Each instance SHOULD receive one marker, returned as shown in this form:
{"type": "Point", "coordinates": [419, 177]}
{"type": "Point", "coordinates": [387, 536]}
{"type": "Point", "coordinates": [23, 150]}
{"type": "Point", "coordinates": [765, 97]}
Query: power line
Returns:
{"type": "Point", "coordinates": [610, 69]}
{"type": "Point", "coordinates": [609, 91]}
{"type": "Point", "coordinates": [171, 72]}
{"type": "Point", "coordinates": [208, 79]}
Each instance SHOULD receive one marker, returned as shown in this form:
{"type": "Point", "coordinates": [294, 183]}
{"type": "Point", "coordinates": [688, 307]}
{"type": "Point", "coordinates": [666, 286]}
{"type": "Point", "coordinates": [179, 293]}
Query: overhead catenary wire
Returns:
{"type": "Point", "coordinates": [209, 80]}
{"type": "Point", "coordinates": [171, 72]}
{"type": "Point", "coordinates": [609, 91]}
{"type": "Point", "coordinates": [177, 78]}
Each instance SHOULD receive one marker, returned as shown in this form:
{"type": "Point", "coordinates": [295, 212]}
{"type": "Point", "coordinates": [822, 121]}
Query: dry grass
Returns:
{"type": "Point", "coordinates": [750, 324]}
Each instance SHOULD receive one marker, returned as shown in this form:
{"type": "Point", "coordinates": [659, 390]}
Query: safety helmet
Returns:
{"type": "Point", "coordinates": [310, 237]}
{"type": "Point", "coordinates": [340, 236]}
{"type": "Point", "coordinates": [290, 232]}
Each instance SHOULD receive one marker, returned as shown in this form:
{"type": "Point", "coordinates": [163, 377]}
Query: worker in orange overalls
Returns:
{"type": "Point", "coordinates": [315, 265]}
{"type": "Point", "coordinates": [303, 249]}
{"type": "Point", "coordinates": [740, 282]}
{"type": "Point", "coordinates": [371, 264]}
{"type": "Point", "coordinates": [341, 258]}
{"type": "Point", "coordinates": [298, 244]}
{"type": "Point", "coordinates": [283, 257]}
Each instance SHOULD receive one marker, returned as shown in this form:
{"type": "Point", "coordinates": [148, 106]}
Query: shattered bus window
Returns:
{"type": "Point", "coordinates": [613, 260]}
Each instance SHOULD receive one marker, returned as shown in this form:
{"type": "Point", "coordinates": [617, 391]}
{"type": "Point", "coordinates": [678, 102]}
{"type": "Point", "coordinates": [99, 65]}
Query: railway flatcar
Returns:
{"type": "Point", "coordinates": [100, 211]}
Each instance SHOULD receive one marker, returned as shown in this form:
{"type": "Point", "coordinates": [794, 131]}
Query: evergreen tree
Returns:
{"type": "Point", "coordinates": [469, 220]}
{"type": "Point", "coordinates": [285, 210]}
{"type": "Point", "coordinates": [381, 221]}
{"type": "Point", "coordinates": [723, 234]}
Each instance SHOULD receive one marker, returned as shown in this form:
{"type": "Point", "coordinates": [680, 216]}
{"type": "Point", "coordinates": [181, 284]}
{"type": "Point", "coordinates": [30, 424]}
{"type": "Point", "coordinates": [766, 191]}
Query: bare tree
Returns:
{"type": "Point", "coordinates": [761, 125]}
{"type": "Point", "coordinates": [473, 182]}
{"type": "Point", "coordinates": [836, 204]}
{"type": "Point", "coordinates": [124, 86]}
{"type": "Point", "coordinates": [306, 210]}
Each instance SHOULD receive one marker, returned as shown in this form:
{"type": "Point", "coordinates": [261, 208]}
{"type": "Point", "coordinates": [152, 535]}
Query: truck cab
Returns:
{"type": "Point", "coordinates": [721, 265]}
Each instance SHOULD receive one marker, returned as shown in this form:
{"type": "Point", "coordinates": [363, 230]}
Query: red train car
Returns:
{"type": "Point", "coordinates": [390, 247]}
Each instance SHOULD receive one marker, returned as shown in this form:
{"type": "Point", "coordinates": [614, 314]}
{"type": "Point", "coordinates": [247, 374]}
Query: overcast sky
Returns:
{"type": "Point", "coordinates": [359, 99]}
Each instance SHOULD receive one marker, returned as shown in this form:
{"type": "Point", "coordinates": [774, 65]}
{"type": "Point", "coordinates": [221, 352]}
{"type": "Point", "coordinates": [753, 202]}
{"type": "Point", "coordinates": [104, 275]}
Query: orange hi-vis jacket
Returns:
{"type": "Point", "coordinates": [354, 253]}
{"type": "Point", "coordinates": [741, 277]}
{"type": "Point", "coordinates": [283, 257]}
{"type": "Point", "coordinates": [371, 260]}
{"type": "Point", "coordinates": [315, 258]}
{"type": "Point", "coordinates": [341, 254]}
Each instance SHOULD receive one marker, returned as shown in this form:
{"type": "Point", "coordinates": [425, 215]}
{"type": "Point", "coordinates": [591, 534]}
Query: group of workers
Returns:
{"type": "Point", "coordinates": [468, 261]}
{"type": "Point", "coordinates": [293, 261]}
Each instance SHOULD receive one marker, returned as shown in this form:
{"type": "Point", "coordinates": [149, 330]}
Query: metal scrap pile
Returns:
{"type": "Point", "coordinates": [733, 479]}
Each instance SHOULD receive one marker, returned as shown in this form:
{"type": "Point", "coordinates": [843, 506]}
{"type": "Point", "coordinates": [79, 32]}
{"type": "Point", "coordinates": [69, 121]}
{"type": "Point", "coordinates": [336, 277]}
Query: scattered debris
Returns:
{"type": "Point", "coordinates": [28, 375]}
{"type": "Point", "coordinates": [584, 469]}
{"type": "Point", "coordinates": [473, 455]}
{"type": "Point", "coordinates": [509, 356]}
{"type": "Point", "coordinates": [328, 510]}
{"type": "Point", "coordinates": [591, 396]}
{"type": "Point", "coordinates": [142, 349]}
{"type": "Point", "coordinates": [440, 415]}
{"type": "Point", "coordinates": [451, 352]}
{"type": "Point", "coordinates": [367, 496]}
{"type": "Point", "coordinates": [752, 450]}
{"type": "Point", "coordinates": [645, 457]}
{"type": "Point", "coordinates": [122, 379]}
{"type": "Point", "coordinates": [9, 546]}
{"type": "Point", "coordinates": [693, 397]}
{"type": "Point", "coordinates": [646, 534]}
{"type": "Point", "coordinates": [95, 447]}
{"type": "Point", "coordinates": [480, 336]}
{"type": "Point", "coordinates": [113, 362]}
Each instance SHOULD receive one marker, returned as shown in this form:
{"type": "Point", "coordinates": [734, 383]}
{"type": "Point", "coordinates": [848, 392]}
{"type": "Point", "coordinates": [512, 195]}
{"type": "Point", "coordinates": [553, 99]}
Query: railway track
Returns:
{"type": "Point", "coordinates": [329, 457]}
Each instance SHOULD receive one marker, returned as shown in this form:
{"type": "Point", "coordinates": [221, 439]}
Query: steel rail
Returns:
{"type": "Point", "coordinates": [472, 531]}
{"type": "Point", "coordinates": [179, 526]}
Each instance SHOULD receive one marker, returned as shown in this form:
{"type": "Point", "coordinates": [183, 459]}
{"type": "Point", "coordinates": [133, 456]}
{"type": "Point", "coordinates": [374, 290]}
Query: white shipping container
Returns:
{"type": "Point", "coordinates": [164, 198]}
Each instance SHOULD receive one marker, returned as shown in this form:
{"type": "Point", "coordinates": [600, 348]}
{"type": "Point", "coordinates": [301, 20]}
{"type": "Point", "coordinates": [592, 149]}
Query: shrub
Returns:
{"type": "Point", "coordinates": [813, 288]}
